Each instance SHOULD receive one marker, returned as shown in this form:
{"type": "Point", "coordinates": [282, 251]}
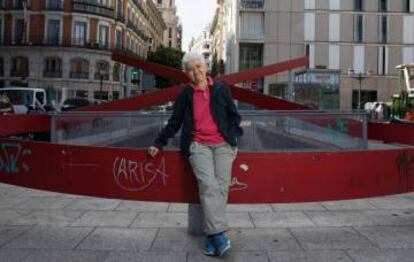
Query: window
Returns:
{"type": "Point", "coordinates": [366, 96]}
{"type": "Point", "coordinates": [118, 39]}
{"type": "Point", "coordinates": [382, 60]}
{"type": "Point", "coordinates": [358, 28]}
{"type": "Point", "coordinates": [171, 3]}
{"type": "Point", "coordinates": [256, 4]}
{"type": "Point", "coordinates": [120, 8]}
{"type": "Point", "coordinates": [251, 25]}
{"type": "Point", "coordinates": [1, 66]}
{"type": "Point", "coordinates": [116, 72]}
{"type": "Point", "coordinates": [409, 6]}
{"type": "Point", "coordinates": [358, 5]}
{"type": "Point", "coordinates": [251, 56]}
{"type": "Point", "coordinates": [169, 44]}
{"type": "Point", "coordinates": [79, 33]}
{"type": "Point", "coordinates": [103, 36]}
{"type": "Point", "coordinates": [79, 68]}
{"type": "Point", "coordinates": [53, 67]}
{"type": "Point", "coordinates": [19, 31]}
{"type": "Point", "coordinates": [382, 5]}
{"type": "Point", "coordinates": [384, 29]}
{"type": "Point", "coordinates": [20, 67]}
{"type": "Point", "coordinates": [53, 32]}
{"type": "Point", "coordinates": [102, 70]}
{"type": "Point", "coordinates": [169, 32]}
{"type": "Point", "coordinates": [159, 2]}
{"type": "Point", "coordinates": [54, 4]}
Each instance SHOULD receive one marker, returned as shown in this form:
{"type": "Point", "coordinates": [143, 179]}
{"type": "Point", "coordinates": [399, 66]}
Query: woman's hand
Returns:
{"type": "Point", "coordinates": [153, 151]}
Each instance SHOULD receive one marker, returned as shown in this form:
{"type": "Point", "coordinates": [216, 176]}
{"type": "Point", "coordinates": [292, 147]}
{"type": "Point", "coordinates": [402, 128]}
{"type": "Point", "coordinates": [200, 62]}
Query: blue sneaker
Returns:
{"type": "Point", "coordinates": [209, 249]}
{"type": "Point", "coordinates": [221, 243]}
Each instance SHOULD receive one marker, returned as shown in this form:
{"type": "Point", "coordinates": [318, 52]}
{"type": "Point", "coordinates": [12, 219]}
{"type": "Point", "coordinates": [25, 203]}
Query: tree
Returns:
{"type": "Point", "coordinates": [169, 57]}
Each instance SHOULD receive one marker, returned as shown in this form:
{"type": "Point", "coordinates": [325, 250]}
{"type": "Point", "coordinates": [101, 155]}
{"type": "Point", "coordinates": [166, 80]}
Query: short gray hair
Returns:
{"type": "Point", "coordinates": [190, 57]}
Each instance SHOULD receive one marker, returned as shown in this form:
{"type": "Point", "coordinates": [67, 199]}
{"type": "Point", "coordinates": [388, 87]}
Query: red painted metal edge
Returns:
{"type": "Point", "coordinates": [257, 177]}
{"type": "Point", "coordinates": [391, 132]}
{"type": "Point", "coordinates": [17, 124]}
{"type": "Point", "coordinates": [154, 68]}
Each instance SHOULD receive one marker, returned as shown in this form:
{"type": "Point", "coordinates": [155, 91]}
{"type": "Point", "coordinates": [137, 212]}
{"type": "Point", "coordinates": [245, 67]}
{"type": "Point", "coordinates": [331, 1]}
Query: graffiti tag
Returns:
{"type": "Point", "coordinates": [236, 185]}
{"type": "Point", "coordinates": [404, 162]}
{"type": "Point", "coordinates": [132, 175]}
{"type": "Point", "coordinates": [11, 155]}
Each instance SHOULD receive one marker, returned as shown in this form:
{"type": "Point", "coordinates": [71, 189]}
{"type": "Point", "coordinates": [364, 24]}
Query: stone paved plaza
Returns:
{"type": "Point", "coordinates": [45, 226]}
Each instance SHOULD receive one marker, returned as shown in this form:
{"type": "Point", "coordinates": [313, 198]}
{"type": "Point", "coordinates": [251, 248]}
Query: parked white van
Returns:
{"type": "Point", "coordinates": [25, 99]}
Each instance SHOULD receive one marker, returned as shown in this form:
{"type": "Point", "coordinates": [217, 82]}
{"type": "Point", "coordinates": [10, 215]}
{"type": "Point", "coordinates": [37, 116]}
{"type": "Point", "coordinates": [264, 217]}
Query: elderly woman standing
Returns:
{"type": "Point", "coordinates": [210, 127]}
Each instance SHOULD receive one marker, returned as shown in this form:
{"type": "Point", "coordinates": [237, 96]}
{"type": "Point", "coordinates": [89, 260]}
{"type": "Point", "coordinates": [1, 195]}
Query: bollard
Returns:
{"type": "Point", "coordinates": [195, 219]}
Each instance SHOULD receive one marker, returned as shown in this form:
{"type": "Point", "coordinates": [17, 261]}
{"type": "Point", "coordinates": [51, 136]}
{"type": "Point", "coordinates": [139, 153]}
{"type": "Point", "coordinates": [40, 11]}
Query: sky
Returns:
{"type": "Point", "coordinates": [194, 15]}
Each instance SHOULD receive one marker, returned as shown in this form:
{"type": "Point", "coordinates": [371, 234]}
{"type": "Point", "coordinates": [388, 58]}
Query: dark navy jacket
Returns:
{"type": "Point", "coordinates": [222, 108]}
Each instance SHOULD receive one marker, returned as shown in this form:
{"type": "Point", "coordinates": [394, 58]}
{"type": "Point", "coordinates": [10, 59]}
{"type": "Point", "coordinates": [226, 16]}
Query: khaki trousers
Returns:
{"type": "Point", "coordinates": [212, 167]}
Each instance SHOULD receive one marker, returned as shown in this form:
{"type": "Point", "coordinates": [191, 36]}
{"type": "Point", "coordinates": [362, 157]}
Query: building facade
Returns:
{"type": "Point", "coordinates": [218, 40]}
{"type": "Point", "coordinates": [353, 46]}
{"type": "Point", "coordinates": [65, 45]}
{"type": "Point", "coordinates": [173, 35]}
{"type": "Point", "coordinates": [202, 44]}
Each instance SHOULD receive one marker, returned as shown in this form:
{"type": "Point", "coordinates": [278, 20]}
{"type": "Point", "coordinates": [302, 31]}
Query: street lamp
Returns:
{"type": "Point", "coordinates": [360, 75]}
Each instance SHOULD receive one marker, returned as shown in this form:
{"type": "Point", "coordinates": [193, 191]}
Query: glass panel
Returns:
{"type": "Point", "coordinates": [103, 36]}
{"type": "Point", "coordinates": [53, 32]}
{"type": "Point", "coordinates": [79, 33]}
{"type": "Point", "coordinates": [18, 31]}
{"type": "Point", "coordinates": [263, 130]}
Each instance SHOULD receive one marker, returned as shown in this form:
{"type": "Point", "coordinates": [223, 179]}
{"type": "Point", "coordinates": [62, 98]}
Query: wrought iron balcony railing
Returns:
{"type": "Point", "coordinates": [19, 73]}
{"type": "Point", "coordinates": [52, 74]}
{"type": "Point", "coordinates": [91, 7]}
{"type": "Point", "coordinates": [79, 75]}
{"type": "Point", "coordinates": [252, 4]}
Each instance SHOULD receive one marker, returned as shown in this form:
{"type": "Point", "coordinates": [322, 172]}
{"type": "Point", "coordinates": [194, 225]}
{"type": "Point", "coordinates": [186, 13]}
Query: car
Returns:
{"type": "Point", "coordinates": [77, 102]}
{"type": "Point", "coordinates": [5, 106]}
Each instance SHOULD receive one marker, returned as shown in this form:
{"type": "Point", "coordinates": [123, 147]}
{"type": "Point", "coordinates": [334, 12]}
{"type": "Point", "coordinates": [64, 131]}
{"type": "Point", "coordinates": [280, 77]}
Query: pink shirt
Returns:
{"type": "Point", "coordinates": [205, 129]}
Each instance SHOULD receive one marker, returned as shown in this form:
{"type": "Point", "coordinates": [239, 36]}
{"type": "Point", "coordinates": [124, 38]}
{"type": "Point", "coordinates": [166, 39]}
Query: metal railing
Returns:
{"type": "Point", "coordinates": [54, 5]}
{"type": "Point", "coordinates": [137, 30]}
{"type": "Point", "coordinates": [263, 130]}
{"type": "Point", "coordinates": [79, 75]}
{"type": "Point", "coordinates": [19, 73]}
{"type": "Point", "coordinates": [91, 7]}
{"type": "Point", "coordinates": [52, 74]}
{"type": "Point", "coordinates": [251, 4]}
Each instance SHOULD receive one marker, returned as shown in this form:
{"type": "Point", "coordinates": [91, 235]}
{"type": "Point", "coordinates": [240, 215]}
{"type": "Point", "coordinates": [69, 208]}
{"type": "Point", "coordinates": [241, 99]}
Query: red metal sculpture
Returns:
{"type": "Point", "coordinates": [258, 177]}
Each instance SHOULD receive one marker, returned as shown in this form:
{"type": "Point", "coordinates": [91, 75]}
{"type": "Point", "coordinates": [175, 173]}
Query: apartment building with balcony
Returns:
{"type": "Point", "coordinates": [218, 39]}
{"type": "Point", "coordinates": [173, 35]}
{"type": "Point", "coordinates": [66, 45]}
{"type": "Point", "coordinates": [358, 36]}
{"type": "Point", "coordinates": [202, 44]}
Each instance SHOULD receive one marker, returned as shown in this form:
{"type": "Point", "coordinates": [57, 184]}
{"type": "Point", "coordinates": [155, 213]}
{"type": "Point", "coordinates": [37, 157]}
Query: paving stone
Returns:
{"type": "Point", "coordinates": [389, 237]}
{"type": "Point", "coordinates": [391, 217]}
{"type": "Point", "coordinates": [339, 218]}
{"type": "Point", "coordinates": [63, 256]}
{"type": "Point", "coordinates": [50, 238]}
{"type": "Point", "coordinates": [45, 203]}
{"type": "Point", "coordinates": [391, 255]}
{"type": "Point", "coordinates": [262, 239]}
{"type": "Point", "coordinates": [53, 217]}
{"type": "Point", "coordinates": [178, 207]}
{"type": "Point", "coordinates": [160, 219]}
{"type": "Point", "coordinates": [8, 233]}
{"type": "Point", "coordinates": [176, 239]}
{"type": "Point", "coordinates": [330, 238]}
{"type": "Point", "coordinates": [105, 219]}
{"type": "Point", "coordinates": [309, 256]}
{"type": "Point", "coordinates": [358, 204]}
{"type": "Point", "coordinates": [27, 192]}
{"type": "Point", "coordinates": [298, 207]}
{"type": "Point", "coordinates": [11, 202]}
{"type": "Point", "coordinates": [16, 217]}
{"type": "Point", "coordinates": [119, 239]}
{"type": "Point", "coordinates": [392, 203]}
{"type": "Point", "coordinates": [231, 256]}
{"type": "Point", "coordinates": [93, 204]}
{"type": "Point", "coordinates": [240, 220]}
{"type": "Point", "coordinates": [140, 206]}
{"type": "Point", "coordinates": [281, 219]}
{"type": "Point", "coordinates": [14, 255]}
{"type": "Point", "coordinates": [146, 256]}
{"type": "Point", "coordinates": [249, 208]}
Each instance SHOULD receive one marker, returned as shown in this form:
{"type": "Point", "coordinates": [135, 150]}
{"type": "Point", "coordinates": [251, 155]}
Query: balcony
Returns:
{"type": "Point", "coordinates": [52, 74]}
{"type": "Point", "coordinates": [54, 6]}
{"type": "Point", "coordinates": [18, 5]}
{"type": "Point", "coordinates": [138, 31]}
{"type": "Point", "coordinates": [251, 4]}
{"type": "Point", "coordinates": [104, 76]}
{"type": "Point", "coordinates": [91, 7]}
{"type": "Point", "coordinates": [19, 73]}
{"type": "Point", "coordinates": [140, 7]}
{"type": "Point", "coordinates": [79, 75]}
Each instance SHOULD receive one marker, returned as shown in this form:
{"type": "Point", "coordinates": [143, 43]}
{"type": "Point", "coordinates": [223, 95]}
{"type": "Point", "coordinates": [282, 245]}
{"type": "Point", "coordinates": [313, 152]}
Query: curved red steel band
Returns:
{"type": "Point", "coordinates": [258, 177]}
{"type": "Point", "coordinates": [17, 124]}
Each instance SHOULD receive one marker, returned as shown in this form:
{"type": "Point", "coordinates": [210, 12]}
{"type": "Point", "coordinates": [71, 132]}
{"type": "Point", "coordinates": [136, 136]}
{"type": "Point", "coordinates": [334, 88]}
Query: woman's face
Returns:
{"type": "Point", "coordinates": [196, 71]}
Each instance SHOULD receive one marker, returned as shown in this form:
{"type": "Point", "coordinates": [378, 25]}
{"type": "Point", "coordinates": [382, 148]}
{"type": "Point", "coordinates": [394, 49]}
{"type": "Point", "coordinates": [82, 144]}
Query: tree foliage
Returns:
{"type": "Point", "coordinates": [169, 57]}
